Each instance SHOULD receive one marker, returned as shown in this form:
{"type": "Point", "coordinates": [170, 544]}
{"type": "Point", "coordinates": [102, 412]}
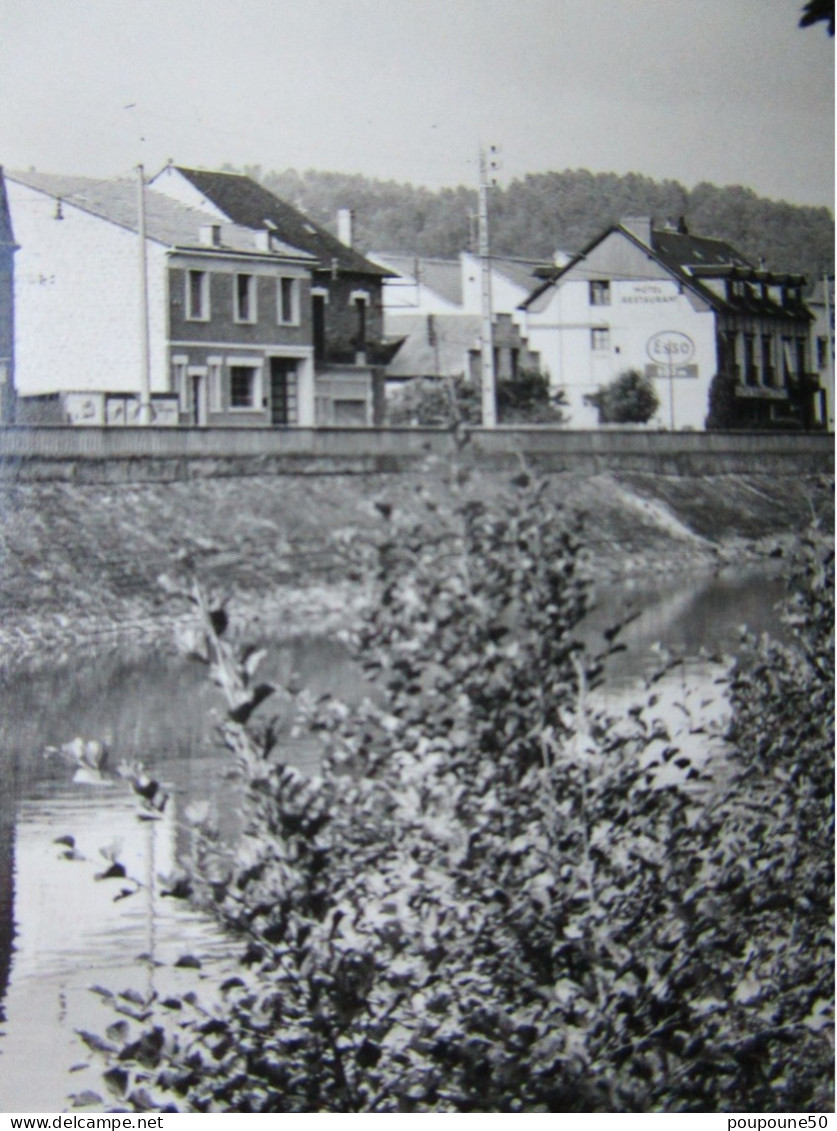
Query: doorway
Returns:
{"type": "Point", "coordinates": [200, 414]}
{"type": "Point", "coordinates": [283, 391]}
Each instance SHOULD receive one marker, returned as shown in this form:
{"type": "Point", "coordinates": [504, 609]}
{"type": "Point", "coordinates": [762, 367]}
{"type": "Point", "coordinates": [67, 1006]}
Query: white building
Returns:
{"type": "Point", "coordinates": [679, 308]}
{"type": "Point", "coordinates": [228, 309]}
{"type": "Point", "coordinates": [436, 305]}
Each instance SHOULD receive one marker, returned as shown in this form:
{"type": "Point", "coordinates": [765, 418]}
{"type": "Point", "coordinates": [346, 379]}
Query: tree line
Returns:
{"type": "Point", "coordinates": [542, 213]}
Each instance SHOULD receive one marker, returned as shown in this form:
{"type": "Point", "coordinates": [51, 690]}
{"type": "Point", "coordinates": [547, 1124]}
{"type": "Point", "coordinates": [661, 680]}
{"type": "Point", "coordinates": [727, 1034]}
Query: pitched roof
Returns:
{"type": "Point", "coordinates": [251, 205]}
{"type": "Point", "coordinates": [436, 344]}
{"type": "Point", "coordinates": [690, 258]}
{"type": "Point", "coordinates": [442, 276]}
{"type": "Point", "coordinates": [682, 249]}
{"type": "Point", "coordinates": [166, 221]}
{"type": "Point", "coordinates": [521, 272]}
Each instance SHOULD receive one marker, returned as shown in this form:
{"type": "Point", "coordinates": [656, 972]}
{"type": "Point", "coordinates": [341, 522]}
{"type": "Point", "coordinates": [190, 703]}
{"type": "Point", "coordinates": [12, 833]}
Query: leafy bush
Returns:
{"type": "Point", "coordinates": [493, 897]}
{"type": "Point", "coordinates": [629, 399]}
{"type": "Point", "coordinates": [723, 411]}
{"type": "Point", "coordinates": [524, 399]}
{"type": "Point", "coordinates": [528, 399]}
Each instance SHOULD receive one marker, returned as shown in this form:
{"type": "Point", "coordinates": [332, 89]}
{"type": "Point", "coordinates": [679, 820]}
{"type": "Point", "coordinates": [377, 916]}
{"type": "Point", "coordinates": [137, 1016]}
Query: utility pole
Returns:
{"type": "Point", "coordinates": [145, 367]}
{"type": "Point", "coordinates": [489, 397]}
{"type": "Point", "coordinates": [829, 351]}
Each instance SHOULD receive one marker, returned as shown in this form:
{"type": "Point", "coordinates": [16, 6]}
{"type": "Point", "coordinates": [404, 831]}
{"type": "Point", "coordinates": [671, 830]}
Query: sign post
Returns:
{"type": "Point", "coordinates": [670, 348]}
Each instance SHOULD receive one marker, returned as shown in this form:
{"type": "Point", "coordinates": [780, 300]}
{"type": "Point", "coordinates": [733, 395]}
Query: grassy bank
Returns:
{"type": "Point", "coordinates": [79, 563]}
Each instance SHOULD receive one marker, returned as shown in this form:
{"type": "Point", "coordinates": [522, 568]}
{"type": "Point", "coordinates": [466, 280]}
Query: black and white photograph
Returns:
{"type": "Point", "coordinates": [417, 559]}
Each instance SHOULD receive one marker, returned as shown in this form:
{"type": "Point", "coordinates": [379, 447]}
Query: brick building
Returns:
{"type": "Point", "coordinates": [230, 332]}
{"type": "Point", "coordinates": [346, 308]}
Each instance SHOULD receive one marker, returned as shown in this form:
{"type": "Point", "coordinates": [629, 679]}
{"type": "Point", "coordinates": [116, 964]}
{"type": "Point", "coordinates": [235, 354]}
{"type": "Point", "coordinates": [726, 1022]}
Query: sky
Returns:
{"type": "Point", "coordinates": [727, 91]}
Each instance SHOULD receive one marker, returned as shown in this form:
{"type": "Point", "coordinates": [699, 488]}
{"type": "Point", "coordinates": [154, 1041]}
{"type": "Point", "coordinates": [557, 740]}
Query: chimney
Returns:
{"type": "Point", "coordinates": [639, 226]}
{"type": "Point", "coordinates": [211, 235]}
{"type": "Point", "coordinates": [345, 223]}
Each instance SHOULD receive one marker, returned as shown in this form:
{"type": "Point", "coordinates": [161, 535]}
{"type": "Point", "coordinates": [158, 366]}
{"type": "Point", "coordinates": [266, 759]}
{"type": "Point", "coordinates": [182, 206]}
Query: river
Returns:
{"type": "Point", "coordinates": [63, 930]}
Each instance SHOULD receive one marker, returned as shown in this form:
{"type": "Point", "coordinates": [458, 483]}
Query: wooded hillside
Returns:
{"type": "Point", "coordinates": [545, 212]}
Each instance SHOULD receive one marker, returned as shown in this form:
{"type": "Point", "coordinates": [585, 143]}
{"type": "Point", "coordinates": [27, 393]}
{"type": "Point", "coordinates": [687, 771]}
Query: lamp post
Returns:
{"type": "Point", "coordinates": [489, 397]}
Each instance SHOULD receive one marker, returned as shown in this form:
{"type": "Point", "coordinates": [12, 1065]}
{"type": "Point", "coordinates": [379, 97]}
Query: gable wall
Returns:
{"type": "Point", "coordinates": [77, 305]}
{"type": "Point", "coordinates": [172, 182]}
{"type": "Point", "coordinates": [644, 301]}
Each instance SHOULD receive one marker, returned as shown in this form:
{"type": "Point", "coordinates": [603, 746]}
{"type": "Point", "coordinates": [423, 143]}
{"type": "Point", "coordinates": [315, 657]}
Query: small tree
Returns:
{"type": "Point", "coordinates": [629, 399]}
{"type": "Point", "coordinates": [527, 399]}
{"type": "Point", "coordinates": [495, 896]}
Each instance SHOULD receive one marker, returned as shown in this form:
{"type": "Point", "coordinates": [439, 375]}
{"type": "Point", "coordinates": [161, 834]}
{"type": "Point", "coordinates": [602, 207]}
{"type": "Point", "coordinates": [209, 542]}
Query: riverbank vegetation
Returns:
{"type": "Point", "coordinates": [495, 896]}
{"type": "Point", "coordinates": [79, 561]}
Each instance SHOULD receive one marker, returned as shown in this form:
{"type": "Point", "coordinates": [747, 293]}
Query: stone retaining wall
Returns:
{"type": "Point", "coordinates": [144, 455]}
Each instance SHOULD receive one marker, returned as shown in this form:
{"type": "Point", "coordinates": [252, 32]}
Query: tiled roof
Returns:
{"type": "Point", "coordinates": [682, 249]}
{"type": "Point", "coordinates": [454, 336]}
{"type": "Point", "coordinates": [166, 220]}
{"type": "Point", "coordinates": [442, 276]}
{"type": "Point", "coordinates": [689, 259]}
{"type": "Point", "coordinates": [249, 204]}
{"type": "Point", "coordinates": [521, 272]}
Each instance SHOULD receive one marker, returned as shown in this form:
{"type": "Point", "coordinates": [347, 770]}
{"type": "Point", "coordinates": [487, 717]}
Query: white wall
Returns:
{"type": "Point", "coordinates": [77, 300]}
{"type": "Point", "coordinates": [407, 295]}
{"type": "Point", "coordinates": [175, 185]}
{"type": "Point", "coordinates": [506, 295]}
{"type": "Point", "coordinates": [644, 302]}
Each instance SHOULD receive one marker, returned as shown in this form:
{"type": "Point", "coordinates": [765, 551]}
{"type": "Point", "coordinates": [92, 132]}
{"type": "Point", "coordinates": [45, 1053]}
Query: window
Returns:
{"type": "Point", "coordinates": [822, 353]}
{"type": "Point", "coordinates": [318, 319]}
{"type": "Point", "coordinates": [768, 373]}
{"type": "Point", "coordinates": [600, 338]}
{"type": "Point", "coordinates": [288, 302]}
{"type": "Point", "coordinates": [750, 374]}
{"type": "Point", "coordinates": [243, 386]}
{"type": "Point", "coordinates": [360, 341]}
{"type": "Point", "coordinates": [599, 292]}
{"type": "Point", "coordinates": [245, 298]}
{"type": "Point", "coordinates": [788, 371]}
{"type": "Point", "coordinates": [197, 296]}
{"type": "Point", "coordinates": [728, 354]}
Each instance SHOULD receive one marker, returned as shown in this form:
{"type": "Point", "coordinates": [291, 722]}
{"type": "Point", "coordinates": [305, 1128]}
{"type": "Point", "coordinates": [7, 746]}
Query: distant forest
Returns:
{"type": "Point", "coordinates": [545, 212]}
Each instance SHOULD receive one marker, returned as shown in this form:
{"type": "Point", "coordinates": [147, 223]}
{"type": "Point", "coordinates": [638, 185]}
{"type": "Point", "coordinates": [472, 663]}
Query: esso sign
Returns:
{"type": "Point", "coordinates": [670, 347]}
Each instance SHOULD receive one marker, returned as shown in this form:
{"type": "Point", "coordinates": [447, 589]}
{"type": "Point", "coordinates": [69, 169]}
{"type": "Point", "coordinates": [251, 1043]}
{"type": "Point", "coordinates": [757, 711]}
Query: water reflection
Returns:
{"type": "Point", "coordinates": [687, 618]}
{"type": "Point", "coordinates": [62, 930]}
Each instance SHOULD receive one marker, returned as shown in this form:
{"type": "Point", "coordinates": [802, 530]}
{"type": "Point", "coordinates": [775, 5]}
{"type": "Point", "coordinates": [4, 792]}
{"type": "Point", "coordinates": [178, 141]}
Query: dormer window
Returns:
{"type": "Point", "coordinates": [245, 298]}
{"type": "Point", "coordinates": [599, 292]}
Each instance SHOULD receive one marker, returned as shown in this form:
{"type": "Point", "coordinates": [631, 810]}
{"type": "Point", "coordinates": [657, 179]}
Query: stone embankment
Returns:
{"type": "Point", "coordinates": [79, 563]}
